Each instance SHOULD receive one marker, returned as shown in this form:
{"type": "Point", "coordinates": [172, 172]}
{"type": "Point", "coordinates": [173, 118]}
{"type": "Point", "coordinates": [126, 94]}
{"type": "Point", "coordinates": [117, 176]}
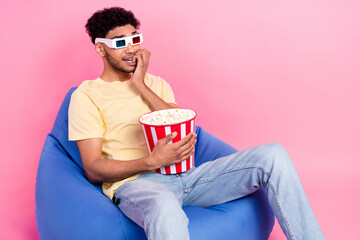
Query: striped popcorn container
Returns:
{"type": "Point", "coordinates": [158, 124]}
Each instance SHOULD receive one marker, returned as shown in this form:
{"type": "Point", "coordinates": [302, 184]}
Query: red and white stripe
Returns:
{"type": "Point", "coordinates": [154, 133]}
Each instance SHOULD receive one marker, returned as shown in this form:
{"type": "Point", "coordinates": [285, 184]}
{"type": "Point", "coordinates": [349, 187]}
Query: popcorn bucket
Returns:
{"type": "Point", "coordinates": [158, 124]}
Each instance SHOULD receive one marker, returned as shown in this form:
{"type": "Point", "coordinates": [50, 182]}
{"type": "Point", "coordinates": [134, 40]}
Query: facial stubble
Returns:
{"type": "Point", "coordinates": [116, 64]}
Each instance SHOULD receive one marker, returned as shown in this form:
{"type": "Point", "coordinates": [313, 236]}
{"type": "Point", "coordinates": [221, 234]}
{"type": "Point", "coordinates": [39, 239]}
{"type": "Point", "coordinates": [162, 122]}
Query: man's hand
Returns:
{"type": "Point", "coordinates": [142, 58]}
{"type": "Point", "coordinates": [166, 154]}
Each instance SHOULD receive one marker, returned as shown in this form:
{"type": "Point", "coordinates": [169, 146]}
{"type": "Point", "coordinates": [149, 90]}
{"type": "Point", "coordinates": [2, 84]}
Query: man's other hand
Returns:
{"type": "Point", "coordinates": [165, 154]}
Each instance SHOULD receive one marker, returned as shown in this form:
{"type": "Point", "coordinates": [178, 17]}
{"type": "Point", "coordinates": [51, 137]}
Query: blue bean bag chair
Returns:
{"type": "Point", "coordinates": [69, 207]}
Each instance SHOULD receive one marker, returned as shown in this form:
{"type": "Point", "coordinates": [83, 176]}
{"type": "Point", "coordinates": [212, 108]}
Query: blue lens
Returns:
{"type": "Point", "coordinates": [120, 43]}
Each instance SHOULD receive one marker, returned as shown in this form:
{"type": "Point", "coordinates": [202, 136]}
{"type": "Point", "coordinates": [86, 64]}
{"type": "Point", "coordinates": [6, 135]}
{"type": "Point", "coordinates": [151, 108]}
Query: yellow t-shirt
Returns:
{"type": "Point", "coordinates": [110, 110]}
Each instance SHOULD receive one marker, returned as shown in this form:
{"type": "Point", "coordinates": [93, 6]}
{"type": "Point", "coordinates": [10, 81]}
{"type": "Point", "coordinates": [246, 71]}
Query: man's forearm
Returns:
{"type": "Point", "coordinates": [153, 100]}
{"type": "Point", "coordinates": [110, 170]}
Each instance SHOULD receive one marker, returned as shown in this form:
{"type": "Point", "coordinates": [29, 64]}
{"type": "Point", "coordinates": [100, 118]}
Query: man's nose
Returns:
{"type": "Point", "coordinates": [130, 48]}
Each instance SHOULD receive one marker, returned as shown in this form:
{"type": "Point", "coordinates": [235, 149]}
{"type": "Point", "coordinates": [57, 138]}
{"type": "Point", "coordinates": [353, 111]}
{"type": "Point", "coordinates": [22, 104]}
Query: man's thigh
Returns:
{"type": "Point", "coordinates": [228, 178]}
{"type": "Point", "coordinates": [138, 198]}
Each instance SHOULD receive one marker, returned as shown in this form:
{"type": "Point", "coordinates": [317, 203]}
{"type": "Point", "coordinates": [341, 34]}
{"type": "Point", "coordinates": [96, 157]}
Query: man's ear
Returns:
{"type": "Point", "coordinates": [100, 49]}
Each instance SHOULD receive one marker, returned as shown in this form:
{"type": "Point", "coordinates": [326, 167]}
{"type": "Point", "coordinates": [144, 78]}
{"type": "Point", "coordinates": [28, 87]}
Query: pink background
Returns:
{"type": "Point", "coordinates": [268, 71]}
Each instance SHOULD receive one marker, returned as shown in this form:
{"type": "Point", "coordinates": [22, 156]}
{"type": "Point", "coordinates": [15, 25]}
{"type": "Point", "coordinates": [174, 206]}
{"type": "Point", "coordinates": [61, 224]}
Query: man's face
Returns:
{"type": "Point", "coordinates": [117, 57]}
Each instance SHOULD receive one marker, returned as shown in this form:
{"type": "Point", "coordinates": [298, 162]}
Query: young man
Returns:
{"type": "Point", "coordinates": [103, 116]}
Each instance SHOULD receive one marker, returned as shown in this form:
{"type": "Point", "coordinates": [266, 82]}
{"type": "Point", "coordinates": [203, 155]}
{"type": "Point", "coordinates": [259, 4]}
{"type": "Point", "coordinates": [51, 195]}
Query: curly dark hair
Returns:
{"type": "Point", "coordinates": [102, 21]}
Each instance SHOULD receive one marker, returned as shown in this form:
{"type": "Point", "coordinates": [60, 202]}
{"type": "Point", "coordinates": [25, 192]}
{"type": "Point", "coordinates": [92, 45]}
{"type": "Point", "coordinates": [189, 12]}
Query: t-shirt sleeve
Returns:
{"type": "Point", "coordinates": [84, 117]}
{"type": "Point", "coordinates": [167, 92]}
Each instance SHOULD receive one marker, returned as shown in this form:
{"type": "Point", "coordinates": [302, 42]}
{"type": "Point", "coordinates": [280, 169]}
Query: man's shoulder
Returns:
{"type": "Point", "coordinates": [86, 89]}
{"type": "Point", "coordinates": [151, 78]}
{"type": "Point", "coordinates": [86, 85]}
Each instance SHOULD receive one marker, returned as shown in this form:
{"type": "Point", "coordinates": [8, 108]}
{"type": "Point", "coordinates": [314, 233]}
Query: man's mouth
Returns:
{"type": "Point", "coordinates": [130, 61]}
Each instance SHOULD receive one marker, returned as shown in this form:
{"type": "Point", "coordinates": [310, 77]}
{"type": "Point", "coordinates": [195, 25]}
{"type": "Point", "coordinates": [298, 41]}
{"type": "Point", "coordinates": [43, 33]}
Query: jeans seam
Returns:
{"type": "Point", "coordinates": [202, 180]}
{"type": "Point", "coordinates": [270, 184]}
{"type": "Point", "coordinates": [281, 211]}
{"type": "Point", "coordinates": [132, 203]}
{"type": "Point", "coordinates": [186, 191]}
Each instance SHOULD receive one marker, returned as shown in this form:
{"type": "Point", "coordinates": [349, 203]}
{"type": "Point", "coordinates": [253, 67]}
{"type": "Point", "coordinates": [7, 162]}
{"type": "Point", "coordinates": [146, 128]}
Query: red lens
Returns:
{"type": "Point", "coordinates": [136, 40]}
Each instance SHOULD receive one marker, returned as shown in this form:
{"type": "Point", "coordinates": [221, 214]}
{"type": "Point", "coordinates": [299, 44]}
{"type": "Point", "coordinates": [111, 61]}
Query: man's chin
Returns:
{"type": "Point", "coordinates": [127, 69]}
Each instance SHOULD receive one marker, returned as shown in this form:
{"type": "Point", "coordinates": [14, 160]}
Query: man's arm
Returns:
{"type": "Point", "coordinates": [99, 170]}
{"type": "Point", "coordinates": [151, 98]}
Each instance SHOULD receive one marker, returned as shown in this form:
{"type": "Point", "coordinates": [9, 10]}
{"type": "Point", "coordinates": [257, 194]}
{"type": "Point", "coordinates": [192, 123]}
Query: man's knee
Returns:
{"type": "Point", "coordinates": [277, 155]}
{"type": "Point", "coordinates": [276, 148]}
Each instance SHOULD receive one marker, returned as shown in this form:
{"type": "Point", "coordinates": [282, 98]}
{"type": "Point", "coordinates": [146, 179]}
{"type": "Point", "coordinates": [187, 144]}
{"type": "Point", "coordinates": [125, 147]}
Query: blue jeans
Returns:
{"type": "Point", "coordinates": [154, 201]}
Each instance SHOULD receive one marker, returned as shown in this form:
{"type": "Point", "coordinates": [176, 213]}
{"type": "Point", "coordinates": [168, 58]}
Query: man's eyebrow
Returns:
{"type": "Point", "coordinates": [121, 36]}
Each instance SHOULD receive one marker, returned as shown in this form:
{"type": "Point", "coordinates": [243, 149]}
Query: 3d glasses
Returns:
{"type": "Point", "coordinates": [121, 42]}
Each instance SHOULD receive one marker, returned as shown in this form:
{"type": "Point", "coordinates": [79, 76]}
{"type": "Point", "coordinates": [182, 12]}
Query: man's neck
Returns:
{"type": "Point", "coordinates": [110, 76]}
